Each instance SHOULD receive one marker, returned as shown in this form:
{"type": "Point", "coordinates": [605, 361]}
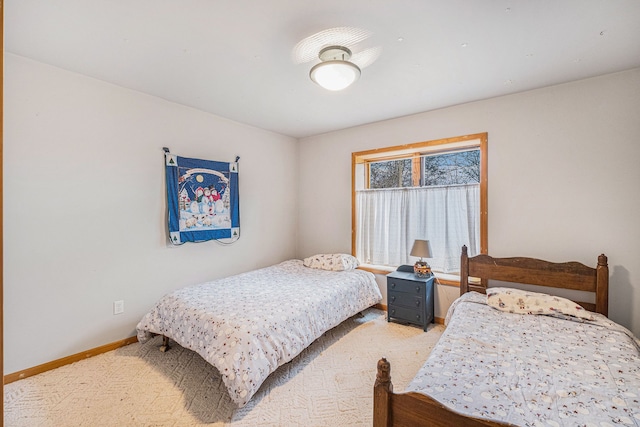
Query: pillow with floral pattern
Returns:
{"type": "Point", "coordinates": [332, 262]}
{"type": "Point", "coordinates": [526, 302]}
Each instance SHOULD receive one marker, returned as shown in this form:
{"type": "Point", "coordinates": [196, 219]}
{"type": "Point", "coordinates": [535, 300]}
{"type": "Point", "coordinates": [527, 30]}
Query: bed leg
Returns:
{"type": "Point", "coordinates": [165, 344]}
{"type": "Point", "coordinates": [381, 395]}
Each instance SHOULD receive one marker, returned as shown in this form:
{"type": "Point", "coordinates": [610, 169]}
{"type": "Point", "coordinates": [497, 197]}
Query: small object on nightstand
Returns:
{"type": "Point", "coordinates": [422, 249]}
{"type": "Point", "coordinates": [410, 298]}
{"type": "Point", "coordinates": [422, 269]}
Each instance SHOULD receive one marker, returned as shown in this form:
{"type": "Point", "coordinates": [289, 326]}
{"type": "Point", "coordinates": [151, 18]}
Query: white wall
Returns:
{"type": "Point", "coordinates": [84, 207]}
{"type": "Point", "coordinates": [84, 201]}
{"type": "Point", "coordinates": [563, 177]}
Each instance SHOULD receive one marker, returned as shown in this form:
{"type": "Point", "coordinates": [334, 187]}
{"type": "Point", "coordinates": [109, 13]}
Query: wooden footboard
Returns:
{"type": "Point", "coordinates": [413, 409]}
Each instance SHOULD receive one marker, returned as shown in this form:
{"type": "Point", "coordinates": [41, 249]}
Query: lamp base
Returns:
{"type": "Point", "coordinates": [422, 269]}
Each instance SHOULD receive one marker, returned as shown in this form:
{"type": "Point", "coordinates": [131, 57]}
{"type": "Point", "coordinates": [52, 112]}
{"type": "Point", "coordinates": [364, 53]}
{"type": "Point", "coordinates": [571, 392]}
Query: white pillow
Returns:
{"type": "Point", "coordinates": [526, 302]}
{"type": "Point", "coordinates": [332, 262]}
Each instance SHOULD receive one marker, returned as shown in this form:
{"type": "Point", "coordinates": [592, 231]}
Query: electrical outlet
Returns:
{"type": "Point", "coordinates": [118, 307]}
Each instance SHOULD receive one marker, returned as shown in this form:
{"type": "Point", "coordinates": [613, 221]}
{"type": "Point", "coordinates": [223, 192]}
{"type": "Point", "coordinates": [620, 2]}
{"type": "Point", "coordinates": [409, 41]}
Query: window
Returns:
{"type": "Point", "coordinates": [435, 190]}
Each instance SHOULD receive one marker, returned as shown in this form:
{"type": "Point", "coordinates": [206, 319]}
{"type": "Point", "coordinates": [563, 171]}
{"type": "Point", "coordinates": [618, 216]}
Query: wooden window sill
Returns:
{"type": "Point", "coordinates": [441, 278]}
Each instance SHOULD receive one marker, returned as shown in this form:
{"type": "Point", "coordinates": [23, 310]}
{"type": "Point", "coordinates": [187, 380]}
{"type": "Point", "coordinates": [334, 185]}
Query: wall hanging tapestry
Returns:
{"type": "Point", "coordinates": [202, 200]}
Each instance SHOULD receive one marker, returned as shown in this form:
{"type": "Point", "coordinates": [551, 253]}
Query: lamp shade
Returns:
{"type": "Point", "coordinates": [421, 248]}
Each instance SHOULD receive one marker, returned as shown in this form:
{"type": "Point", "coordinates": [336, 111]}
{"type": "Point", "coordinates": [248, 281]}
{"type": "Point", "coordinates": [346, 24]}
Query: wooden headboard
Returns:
{"type": "Point", "coordinates": [566, 275]}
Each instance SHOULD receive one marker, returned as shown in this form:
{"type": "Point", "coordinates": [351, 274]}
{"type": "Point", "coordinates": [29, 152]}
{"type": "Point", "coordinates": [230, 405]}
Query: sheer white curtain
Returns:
{"type": "Point", "coordinates": [389, 220]}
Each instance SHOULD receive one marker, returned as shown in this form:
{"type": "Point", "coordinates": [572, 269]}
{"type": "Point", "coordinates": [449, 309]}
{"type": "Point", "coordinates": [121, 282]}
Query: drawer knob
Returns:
{"type": "Point", "coordinates": [417, 288]}
{"type": "Point", "coordinates": [417, 303]}
{"type": "Point", "coordinates": [393, 285]}
{"type": "Point", "coordinates": [417, 317]}
{"type": "Point", "coordinates": [393, 298]}
{"type": "Point", "coordinates": [393, 311]}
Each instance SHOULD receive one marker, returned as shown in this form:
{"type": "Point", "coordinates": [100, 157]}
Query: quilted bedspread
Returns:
{"type": "Point", "coordinates": [533, 370]}
{"type": "Point", "coordinates": [248, 325]}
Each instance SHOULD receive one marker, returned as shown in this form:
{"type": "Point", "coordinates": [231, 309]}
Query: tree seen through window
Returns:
{"type": "Point", "coordinates": [451, 168]}
{"type": "Point", "coordinates": [462, 167]}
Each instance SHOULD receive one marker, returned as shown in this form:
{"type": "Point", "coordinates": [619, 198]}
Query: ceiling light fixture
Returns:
{"type": "Point", "coordinates": [335, 72]}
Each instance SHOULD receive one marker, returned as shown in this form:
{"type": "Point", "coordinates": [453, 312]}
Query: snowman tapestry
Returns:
{"type": "Point", "coordinates": [202, 199]}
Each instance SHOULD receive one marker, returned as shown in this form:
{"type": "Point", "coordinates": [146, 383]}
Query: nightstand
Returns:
{"type": "Point", "coordinates": [409, 297]}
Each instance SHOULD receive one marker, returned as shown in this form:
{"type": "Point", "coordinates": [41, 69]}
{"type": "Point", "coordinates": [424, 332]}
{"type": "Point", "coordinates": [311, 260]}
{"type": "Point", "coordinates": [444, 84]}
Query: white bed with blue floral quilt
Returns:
{"type": "Point", "coordinates": [250, 324]}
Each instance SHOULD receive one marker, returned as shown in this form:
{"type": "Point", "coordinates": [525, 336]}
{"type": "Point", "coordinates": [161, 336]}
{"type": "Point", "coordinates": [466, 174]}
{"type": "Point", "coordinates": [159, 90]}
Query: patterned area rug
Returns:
{"type": "Point", "coordinates": [328, 384]}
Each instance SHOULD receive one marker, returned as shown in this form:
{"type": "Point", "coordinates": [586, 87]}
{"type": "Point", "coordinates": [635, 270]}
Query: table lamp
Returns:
{"type": "Point", "coordinates": [422, 249]}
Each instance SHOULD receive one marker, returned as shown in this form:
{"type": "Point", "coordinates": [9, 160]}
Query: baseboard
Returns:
{"type": "Point", "coordinates": [9, 378]}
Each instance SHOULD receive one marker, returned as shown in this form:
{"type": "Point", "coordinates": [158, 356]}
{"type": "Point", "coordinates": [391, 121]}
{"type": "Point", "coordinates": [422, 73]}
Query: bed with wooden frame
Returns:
{"type": "Point", "coordinates": [417, 409]}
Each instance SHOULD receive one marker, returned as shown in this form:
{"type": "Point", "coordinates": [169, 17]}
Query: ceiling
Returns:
{"type": "Point", "coordinates": [235, 58]}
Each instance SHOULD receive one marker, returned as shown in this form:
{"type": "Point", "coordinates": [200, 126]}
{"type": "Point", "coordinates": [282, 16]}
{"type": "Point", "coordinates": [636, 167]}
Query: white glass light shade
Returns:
{"type": "Point", "coordinates": [335, 75]}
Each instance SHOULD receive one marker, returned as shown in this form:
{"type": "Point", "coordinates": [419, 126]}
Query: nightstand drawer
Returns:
{"type": "Point", "coordinates": [405, 299]}
{"type": "Point", "coordinates": [407, 314]}
{"type": "Point", "coordinates": [399, 285]}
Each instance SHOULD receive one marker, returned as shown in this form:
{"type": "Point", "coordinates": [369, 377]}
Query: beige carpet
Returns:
{"type": "Point", "coordinates": [328, 384]}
